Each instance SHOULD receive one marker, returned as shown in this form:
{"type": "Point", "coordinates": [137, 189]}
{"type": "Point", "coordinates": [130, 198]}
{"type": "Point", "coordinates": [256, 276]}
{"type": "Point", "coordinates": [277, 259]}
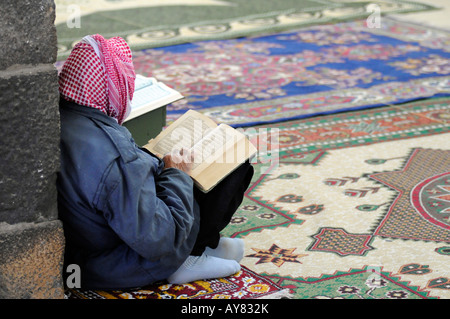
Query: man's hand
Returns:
{"type": "Point", "coordinates": [182, 160]}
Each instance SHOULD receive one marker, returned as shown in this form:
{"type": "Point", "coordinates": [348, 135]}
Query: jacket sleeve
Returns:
{"type": "Point", "coordinates": [150, 209]}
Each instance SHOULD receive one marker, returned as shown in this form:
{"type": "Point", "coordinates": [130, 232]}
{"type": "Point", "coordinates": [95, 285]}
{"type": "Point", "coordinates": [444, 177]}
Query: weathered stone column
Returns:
{"type": "Point", "coordinates": [31, 236]}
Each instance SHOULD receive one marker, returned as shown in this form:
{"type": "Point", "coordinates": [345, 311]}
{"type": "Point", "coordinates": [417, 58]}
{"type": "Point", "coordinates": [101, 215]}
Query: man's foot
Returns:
{"type": "Point", "coordinates": [228, 248]}
{"type": "Point", "coordinates": [203, 267]}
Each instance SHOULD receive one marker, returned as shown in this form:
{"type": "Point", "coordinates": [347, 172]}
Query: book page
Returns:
{"type": "Point", "coordinates": [206, 149]}
{"type": "Point", "coordinates": [185, 132]}
{"type": "Point", "coordinates": [216, 147]}
{"type": "Point", "coordinates": [150, 94]}
{"type": "Point", "coordinates": [209, 175]}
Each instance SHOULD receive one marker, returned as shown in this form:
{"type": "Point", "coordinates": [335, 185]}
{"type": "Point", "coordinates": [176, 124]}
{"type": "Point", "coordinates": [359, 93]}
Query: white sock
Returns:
{"type": "Point", "coordinates": [203, 267]}
{"type": "Point", "coordinates": [228, 248]}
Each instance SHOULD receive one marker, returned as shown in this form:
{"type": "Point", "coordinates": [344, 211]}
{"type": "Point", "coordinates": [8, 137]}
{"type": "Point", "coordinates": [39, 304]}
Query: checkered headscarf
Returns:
{"type": "Point", "coordinates": [99, 73]}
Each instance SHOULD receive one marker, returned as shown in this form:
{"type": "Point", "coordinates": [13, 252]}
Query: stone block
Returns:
{"type": "Point", "coordinates": [27, 32]}
{"type": "Point", "coordinates": [29, 118]}
{"type": "Point", "coordinates": [31, 260]}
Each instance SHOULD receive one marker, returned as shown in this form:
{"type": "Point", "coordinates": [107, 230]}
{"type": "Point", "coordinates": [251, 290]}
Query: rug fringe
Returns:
{"type": "Point", "coordinates": [282, 294]}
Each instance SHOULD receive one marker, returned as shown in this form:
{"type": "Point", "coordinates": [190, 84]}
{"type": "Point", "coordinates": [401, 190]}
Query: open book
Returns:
{"type": "Point", "coordinates": [217, 149]}
{"type": "Point", "coordinates": [150, 94]}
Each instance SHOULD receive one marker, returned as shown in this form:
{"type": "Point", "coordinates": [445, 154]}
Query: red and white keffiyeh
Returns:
{"type": "Point", "coordinates": [99, 73]}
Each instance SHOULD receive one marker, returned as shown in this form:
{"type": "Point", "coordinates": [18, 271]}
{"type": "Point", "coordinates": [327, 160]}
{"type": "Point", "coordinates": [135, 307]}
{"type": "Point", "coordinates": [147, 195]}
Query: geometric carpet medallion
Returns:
{"type": "Point", "coordinates": [431, 199]}
{"type": "Point", "coordinates": [421, 209]}
{"type": "Point", "coordinates": [340, 242]}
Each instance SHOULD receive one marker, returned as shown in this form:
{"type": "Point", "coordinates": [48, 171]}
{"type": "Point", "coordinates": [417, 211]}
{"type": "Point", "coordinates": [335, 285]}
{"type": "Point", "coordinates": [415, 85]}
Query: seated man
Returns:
{"type": "Point", "coordinates": [131, 219]}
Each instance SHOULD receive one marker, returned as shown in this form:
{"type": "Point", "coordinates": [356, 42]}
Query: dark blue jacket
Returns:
{"type": "Point", "coordinates": [127, 221]}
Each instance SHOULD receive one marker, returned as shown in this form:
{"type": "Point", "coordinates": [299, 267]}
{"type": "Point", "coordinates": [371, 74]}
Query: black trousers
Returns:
{"type": "Point", "coordinates": [218, 206]}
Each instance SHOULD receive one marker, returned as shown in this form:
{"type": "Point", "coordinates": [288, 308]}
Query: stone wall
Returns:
{"type": "Point", "coordinates": [31, 236]}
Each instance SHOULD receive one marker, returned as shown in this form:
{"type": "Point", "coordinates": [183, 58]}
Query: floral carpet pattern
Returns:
{"type": "Point", "coordinates": [358, 205]}
{"type": "Point", "coordinates": [146, 24]}
{"type": "Point", "coordinates": [316, 70]}
{"type": "Point", "coordinates": [243, 285]}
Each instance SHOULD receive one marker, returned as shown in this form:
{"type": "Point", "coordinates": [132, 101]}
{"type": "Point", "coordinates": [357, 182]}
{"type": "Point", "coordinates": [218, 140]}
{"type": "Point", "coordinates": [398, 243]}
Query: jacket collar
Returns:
{"type": "Point", "coordinates": [88, 112]}
{"type": "Point", "coordinates": [118, 134]}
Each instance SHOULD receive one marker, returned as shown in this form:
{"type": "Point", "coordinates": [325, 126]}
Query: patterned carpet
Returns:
{"type": "Point", "coordinates": [246, 284]}
{"type": "Point", "coordinates": [357, 206]}
{"type": "Point", "coordinates": [146, 24]}
{"type": "Point", "coordinates": [315, 70]}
